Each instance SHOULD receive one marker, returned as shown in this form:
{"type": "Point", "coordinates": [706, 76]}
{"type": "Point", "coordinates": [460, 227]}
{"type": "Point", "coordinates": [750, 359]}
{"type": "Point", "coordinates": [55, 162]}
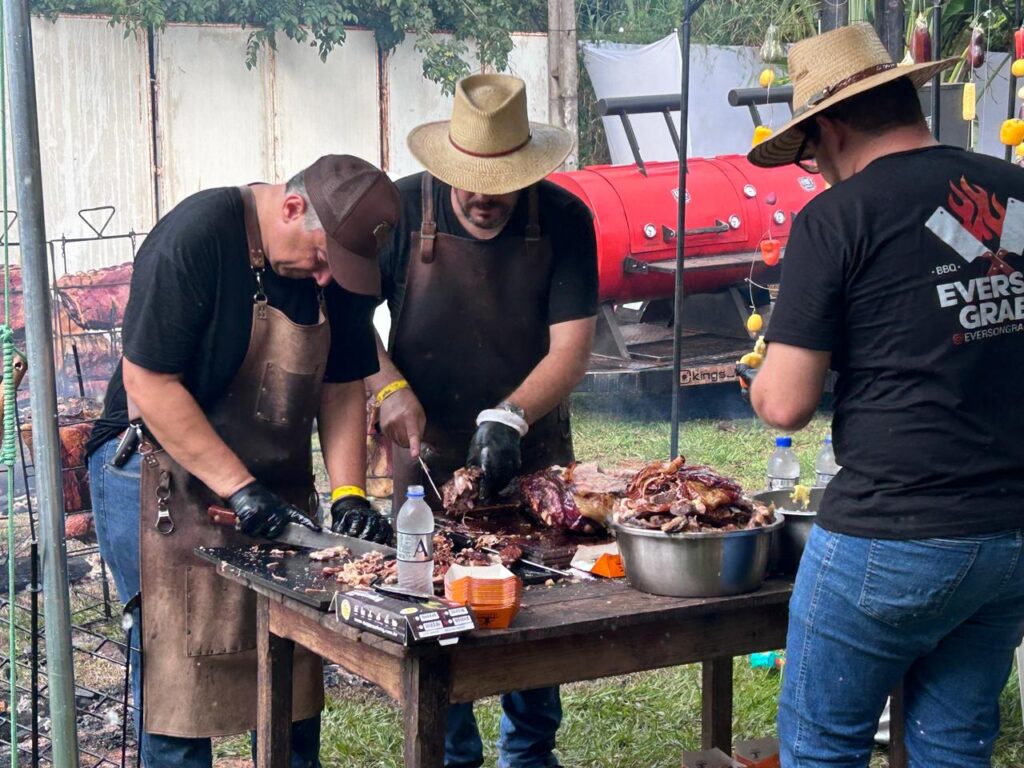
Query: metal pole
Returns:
{"type": "Point", "coordinates": [39, 340]}
{"type": "Point", "coordinates": [1011, 100]}
{"type": "Point", "coordinates": [692, 6]}
{"type": "Point", "coordinates": [936, 55]}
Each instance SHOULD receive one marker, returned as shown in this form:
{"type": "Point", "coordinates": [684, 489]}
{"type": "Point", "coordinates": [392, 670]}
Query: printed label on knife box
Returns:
{"type": "Point", "coordinates": [404, 621]}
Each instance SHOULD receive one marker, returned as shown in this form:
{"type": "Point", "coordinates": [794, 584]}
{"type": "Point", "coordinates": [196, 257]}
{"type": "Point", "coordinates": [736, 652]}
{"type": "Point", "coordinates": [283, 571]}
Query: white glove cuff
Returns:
{"type": "Point", "coordinates": [502, 416]}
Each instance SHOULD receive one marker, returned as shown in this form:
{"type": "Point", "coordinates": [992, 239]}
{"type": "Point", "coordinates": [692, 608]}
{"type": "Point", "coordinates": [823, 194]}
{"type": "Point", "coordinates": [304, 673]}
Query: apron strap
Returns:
{"type": "Point", "coordinates": [428, 229]}
{"type": "Point", "coordinates": [254, 243]}
{"type": "Point", "coordinates": [533, 223]}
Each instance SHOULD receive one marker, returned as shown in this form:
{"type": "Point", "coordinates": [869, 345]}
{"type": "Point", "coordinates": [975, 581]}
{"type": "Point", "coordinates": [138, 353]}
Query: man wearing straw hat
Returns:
{"type": "Point", "coordinates": [491, 281]}
{"type": "Point", "coordinates": [905, 278]}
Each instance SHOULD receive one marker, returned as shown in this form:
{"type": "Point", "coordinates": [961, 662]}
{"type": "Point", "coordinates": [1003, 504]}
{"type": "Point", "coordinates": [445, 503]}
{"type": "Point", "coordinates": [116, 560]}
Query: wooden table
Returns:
{"type": "Point", "coordinates": [565, 633]}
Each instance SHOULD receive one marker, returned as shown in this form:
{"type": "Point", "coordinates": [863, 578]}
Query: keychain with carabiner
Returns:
{"type": "Point", "coordinates": [164, 522]}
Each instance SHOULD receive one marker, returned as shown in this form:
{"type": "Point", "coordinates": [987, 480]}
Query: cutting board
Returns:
{"type": "Point", "coordinates": [294, 575]}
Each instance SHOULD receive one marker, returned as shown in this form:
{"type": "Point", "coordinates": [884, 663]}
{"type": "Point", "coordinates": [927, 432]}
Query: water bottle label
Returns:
{"type": "Point", "coordinates": [416, 547]}
{"type": "Point", "coordinates": [821, 479]}
{"type": "Point", "coordinates": [781, 483]}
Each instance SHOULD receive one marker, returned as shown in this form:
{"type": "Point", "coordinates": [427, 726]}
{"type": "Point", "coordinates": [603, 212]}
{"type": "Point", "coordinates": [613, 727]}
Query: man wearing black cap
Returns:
{"type": "Point", "coordinates": [235, 339]}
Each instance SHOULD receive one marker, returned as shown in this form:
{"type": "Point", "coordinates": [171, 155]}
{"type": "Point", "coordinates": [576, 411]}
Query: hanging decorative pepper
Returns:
{"type": "Point", "coordinates": [977, 50]}
{"type": "Point", "coordinates": [771, 250]}
{"type": "Point", "coordinates": [1018, 43]}
{"type": "Point", "coordinates": [761, 132]}
{"type": "Point", "coordinates": [921, 41]}
{"type": "Point", "coordinates": [1011, 133]}
{"type": "Point", "coordinates": [767, 77]}
{"type": "Point", "coordinates": [754, 323]}
{"type": "Point", "coordinates": [970, 105]}
{"type": "Point", "coordinates": [771, 48]}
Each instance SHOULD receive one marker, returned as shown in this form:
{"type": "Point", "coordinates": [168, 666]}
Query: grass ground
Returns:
{"type": "Point", "coordinates": [643, 720]}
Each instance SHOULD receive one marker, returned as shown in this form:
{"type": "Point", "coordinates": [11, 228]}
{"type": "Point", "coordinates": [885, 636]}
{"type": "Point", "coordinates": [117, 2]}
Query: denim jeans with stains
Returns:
{"type": "Point", "coordinates": [115, 503]}
{"type": "Point", "coordinates": [945, 615]}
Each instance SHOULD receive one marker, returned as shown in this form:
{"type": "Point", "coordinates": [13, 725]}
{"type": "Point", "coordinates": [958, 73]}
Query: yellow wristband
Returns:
{"type": "Point", "coordinates": [389, 389]}
{"type": "Point", "coordinates": [347, 490]}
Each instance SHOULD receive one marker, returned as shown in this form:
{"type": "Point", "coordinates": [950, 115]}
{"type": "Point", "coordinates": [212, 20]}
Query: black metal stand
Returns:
{"type": "Point", "coordinates": [936, 54]}
{"type": "Point", "coordinates": [692, 6]}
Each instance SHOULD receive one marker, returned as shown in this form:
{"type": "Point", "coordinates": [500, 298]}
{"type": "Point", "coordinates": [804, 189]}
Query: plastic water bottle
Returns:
{"type": "Point", "coordinates": [415, 526]}
{"type": "Point", "coordinates": [825, 467]}
{"type": "Point", "coordinates": [783, 466]}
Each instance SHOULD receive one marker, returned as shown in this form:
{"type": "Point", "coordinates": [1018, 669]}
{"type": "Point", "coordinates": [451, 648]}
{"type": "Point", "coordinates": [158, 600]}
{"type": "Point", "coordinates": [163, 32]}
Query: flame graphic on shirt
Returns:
{"type": "Point", "coordinates": [980, 212]}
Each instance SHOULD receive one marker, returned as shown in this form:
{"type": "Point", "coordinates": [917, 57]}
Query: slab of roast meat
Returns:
{"type": "Point", "coordinates": [675, 498]}
{"type": "Point", "coordinates": [576, 498]}
{"type": "Point", "coordinates": [96, 300]}
{"type": "Point", "coordinates": [460, 494]}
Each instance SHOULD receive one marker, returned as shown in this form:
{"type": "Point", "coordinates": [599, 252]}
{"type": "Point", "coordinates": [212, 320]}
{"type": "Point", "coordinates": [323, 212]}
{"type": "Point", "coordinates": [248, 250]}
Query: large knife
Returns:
{"type": "Point", "coordinates": [1013, 228]}
{"type": "Point", "coordinates": [950, 231]}
{"type": "Point", "coordinates": [301, 536]}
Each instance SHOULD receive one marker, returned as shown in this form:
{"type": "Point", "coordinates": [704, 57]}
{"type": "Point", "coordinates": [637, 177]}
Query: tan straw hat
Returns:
{"type": "Point", "coordinates": [830, 68]}
{"type": "Point", "coordinates": [490, 146]}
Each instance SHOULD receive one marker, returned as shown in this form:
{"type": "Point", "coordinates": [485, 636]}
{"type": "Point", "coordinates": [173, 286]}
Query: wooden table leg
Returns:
{"type": "Point", "coordinates": [716, 704]}
{"type": "Point", "coordinates": [274, 699]}
{"type": "Point", "coordinates": [426, 689]}
{"type": "Point", "coordinates": [897, 729]}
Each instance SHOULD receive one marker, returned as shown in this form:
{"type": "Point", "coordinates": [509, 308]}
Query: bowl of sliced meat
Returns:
{"type": "Point", "coordinates": [687, 531]}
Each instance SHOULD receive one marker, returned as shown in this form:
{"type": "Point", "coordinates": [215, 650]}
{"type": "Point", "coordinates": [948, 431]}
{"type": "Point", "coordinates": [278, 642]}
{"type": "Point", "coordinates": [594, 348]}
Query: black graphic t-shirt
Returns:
{"type": "Point", "coordinates": [909, 273]}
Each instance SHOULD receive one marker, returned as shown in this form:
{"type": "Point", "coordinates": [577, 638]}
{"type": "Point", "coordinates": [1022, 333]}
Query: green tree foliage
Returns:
{"type": "Point", "coordinates": [480, 27]}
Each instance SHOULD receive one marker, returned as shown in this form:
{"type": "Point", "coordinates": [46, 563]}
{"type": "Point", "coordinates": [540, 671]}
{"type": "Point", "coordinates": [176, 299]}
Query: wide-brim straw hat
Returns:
{"type": "Point", "coordinates": [828, 69]}
{"type": "Point", "coordinates": [490, 146]}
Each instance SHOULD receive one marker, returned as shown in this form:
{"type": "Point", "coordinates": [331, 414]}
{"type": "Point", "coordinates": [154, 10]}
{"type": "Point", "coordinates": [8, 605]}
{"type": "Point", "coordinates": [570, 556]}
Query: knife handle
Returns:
{"type": "Point", "coordinates": [222, 516]}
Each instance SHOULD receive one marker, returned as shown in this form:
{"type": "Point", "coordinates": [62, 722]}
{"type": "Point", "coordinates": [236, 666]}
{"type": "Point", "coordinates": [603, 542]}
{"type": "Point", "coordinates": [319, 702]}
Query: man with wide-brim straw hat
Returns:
{"type": "Point", "coordinates": [905, 278]}
{"type": "Point", "coordinates": [491, 281]}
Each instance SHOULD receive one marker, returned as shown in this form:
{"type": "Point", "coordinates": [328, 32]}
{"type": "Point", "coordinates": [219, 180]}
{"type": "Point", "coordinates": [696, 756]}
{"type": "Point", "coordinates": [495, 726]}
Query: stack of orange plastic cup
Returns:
{"type": "Point", "coordinates": [492, 592]}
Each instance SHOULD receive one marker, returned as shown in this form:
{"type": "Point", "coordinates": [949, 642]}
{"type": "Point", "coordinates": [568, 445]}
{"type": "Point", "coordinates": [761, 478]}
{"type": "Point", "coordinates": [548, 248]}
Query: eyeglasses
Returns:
{"type": "Point", "coordinates": [808, 164]}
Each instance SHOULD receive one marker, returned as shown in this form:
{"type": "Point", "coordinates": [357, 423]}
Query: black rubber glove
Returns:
{"type": "Point", "coordinates": [746, 374]}
{"type": "Point", "coordinates": [353, 516]}
{"type": "Point", "coordinates": [494, 449]}
{"type": "Point", "coordinates": [263, 513]}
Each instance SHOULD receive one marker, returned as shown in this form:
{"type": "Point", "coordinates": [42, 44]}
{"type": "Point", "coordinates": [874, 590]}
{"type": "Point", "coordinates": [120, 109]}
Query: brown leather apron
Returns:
{"type": "Point", "coordinates": [473, 325]}
{"type": "Point", "coordinates": [199, 629]}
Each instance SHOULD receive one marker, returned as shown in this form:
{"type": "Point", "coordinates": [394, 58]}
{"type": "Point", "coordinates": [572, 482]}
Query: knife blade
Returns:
{"type": "Point", "coordinates": [301, 536]}
{"type": "Point", "coordinates": [1013, 227]}
{"type": "Point", "coordinates": [950, 231]}
{"type": "Point", "coordinates": [426, 471]}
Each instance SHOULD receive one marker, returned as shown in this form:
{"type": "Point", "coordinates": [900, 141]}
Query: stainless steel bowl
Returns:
{"type": "Point", "coordinates": [695, 564]}
{"type": "Point", "coordinates": [792, 537]}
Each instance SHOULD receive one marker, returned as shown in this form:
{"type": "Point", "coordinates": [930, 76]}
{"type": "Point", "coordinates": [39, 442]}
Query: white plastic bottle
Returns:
{"type": "Point", "coordinates": [825, 467]}
{"type": "Point", "coordinates": [415, 526]}
{"type": "Point", "coordinates": [783, 465]}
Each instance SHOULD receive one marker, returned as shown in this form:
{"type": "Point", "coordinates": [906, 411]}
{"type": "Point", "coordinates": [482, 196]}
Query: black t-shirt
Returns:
{"type": "Point", "coordinates": [564, 219]}
{"type": "Point", "coordinates": [190, 308]}
{"type": "Point", "coordinates": [928, 342]}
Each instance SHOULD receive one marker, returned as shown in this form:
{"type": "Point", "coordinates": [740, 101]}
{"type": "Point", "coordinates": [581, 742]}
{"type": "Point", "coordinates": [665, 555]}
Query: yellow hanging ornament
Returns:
{"type": "Point", "coordinates": [1017, 68]}
{"type": "Point", "coordinates": [1019, 152]}
{"type": "Point", "coordinates": [1011, 133]}
{"type": "Point", "coordinates": [754, 323]}
{"type": "Point", "coordinates": [970, 105]}
{"type": "Point", "coordinates": [767, 77]}
{"type": "Point", "coordinates": [761, 133]}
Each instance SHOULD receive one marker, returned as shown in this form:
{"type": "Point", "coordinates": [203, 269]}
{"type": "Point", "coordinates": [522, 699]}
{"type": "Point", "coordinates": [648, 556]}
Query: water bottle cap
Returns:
{"type": "Point", "coordinates": [783, 442]}
{"type": "Point", "coordinates": [414, 492]}
{"type": "Point", "coordinates": [828, 439]}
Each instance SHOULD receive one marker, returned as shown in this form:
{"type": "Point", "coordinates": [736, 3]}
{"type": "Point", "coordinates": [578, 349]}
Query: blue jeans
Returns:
{"type": "Point", "coordinates": [944, 615]}
{"type": "Point", "coordinates": [115, 505]}
{"type": "Point", "coordinates": [529, 722]}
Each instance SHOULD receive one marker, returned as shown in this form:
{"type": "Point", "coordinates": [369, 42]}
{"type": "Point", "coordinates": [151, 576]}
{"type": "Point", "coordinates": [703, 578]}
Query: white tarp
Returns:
{"type": "Point", "coordinates": [717, 128]}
